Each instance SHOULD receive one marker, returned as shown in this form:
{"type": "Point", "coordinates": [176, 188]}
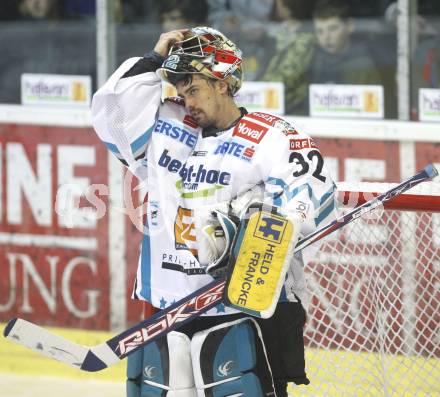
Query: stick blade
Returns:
{"type": "Point", "coordinates": [44, 342]}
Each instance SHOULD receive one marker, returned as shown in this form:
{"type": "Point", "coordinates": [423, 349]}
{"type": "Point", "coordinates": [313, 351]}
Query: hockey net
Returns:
{"type": "Point", "coordinates": [373, 326]}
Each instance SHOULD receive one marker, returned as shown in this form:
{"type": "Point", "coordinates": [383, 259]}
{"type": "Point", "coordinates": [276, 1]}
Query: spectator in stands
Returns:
{"type": "Point", "coordinates": [180, 14]}
{"type": "Point", "coordinates": [38, 9]}
{"type": "Point", "coordinates": [258, 49]}
{"type": "Point", "coordinates": [245, 22]}
{"type": "Point", "coordinates": [232, 15]}
{"type": "Point", "coordinates": [85, 10]}
{"type": "Point", "coordinates": [79, 9]}
{"type": "Point", "coordinates": [294, 49]}
{"type": "Point", "coordinates": [337, 58]}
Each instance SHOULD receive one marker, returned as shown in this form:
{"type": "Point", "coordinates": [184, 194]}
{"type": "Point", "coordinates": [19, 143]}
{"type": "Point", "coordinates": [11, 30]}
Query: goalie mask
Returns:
{"type": "Point", "coordinates": [205, 51]}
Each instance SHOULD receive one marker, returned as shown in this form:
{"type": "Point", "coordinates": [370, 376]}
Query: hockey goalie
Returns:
{"type": "Point", "coordinates": [229, 195]}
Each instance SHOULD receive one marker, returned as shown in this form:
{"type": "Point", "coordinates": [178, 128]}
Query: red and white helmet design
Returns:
{"type": "Point", "coordinates": [206, 51]}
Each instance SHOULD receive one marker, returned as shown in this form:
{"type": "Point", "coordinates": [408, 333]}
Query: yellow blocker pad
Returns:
{"type": "Point", "coordinates": [260, 257]}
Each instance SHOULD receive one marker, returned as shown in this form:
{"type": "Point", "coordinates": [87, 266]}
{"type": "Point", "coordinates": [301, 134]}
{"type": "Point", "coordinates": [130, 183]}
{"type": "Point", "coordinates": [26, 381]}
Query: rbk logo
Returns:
{"type": "Point", "coordinates": [167, 321]}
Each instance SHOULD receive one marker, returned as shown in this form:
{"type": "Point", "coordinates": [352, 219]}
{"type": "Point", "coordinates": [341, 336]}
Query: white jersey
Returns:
{"type": "Point", "coordinates": [188, 175]}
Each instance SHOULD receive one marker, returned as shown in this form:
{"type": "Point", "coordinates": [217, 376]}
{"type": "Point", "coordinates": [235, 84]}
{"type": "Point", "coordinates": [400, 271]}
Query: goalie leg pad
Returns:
{"type": "Point", "coordinates": [162, 369]}
{"type": "Point", "coordinates": [230, 360]}
{"type": "Point", "coordinates": [134, 374]}
{"type": "Point", "coordinates": [260, 257]}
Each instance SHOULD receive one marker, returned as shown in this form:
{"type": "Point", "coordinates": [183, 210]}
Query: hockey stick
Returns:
{"type": "Point", "coordinates": [98, 357]}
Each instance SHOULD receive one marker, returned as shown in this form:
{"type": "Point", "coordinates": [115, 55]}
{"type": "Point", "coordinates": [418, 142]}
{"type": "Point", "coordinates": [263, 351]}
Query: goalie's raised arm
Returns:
{"type": "Point", "coordinates": [118, 107]}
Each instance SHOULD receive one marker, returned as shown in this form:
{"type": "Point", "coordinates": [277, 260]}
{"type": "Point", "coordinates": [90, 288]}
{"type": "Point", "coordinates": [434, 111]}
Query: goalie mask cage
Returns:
{"type": "Point", "coordinates": [373, 326]}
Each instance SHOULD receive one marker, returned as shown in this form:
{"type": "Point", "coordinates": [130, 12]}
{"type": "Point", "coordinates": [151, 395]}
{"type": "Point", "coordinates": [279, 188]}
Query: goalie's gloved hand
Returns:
{"type": "Point", "coordinates": [214, 241]}
{"type": "Point", "coordinates": [211, 242]}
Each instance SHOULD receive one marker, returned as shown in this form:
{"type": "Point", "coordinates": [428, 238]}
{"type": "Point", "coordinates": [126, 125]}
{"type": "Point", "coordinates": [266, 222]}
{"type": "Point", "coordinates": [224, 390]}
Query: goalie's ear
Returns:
{"type": "Point", "coordinates": [260, 256]}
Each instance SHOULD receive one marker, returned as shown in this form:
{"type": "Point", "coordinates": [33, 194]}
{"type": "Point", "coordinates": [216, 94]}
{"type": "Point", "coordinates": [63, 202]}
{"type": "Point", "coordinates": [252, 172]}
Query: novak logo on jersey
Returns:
{"type": "Point", "coordinates": [250, 131]}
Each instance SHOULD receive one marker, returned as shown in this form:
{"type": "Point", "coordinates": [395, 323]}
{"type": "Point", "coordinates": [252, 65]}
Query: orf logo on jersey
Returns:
{"type": "Point", "coordinates": [304, 143]}
{"type": "Point", "coordinates": [250, 131]}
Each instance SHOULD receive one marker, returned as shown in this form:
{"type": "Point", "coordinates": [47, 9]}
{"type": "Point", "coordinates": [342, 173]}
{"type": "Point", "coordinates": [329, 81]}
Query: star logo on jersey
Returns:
{"type": "Point", "coordinates": [163, 303]}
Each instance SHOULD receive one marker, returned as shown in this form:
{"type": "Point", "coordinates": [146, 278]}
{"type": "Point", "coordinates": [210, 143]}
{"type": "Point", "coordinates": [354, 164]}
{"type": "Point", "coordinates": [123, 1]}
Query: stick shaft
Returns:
{"type": "Point", "coordinates": [427, 173]}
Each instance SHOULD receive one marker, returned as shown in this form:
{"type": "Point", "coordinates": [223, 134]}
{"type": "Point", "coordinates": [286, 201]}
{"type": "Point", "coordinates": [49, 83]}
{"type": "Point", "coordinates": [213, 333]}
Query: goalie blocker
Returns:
{"type": "Point", "coordinates": [260, 256]}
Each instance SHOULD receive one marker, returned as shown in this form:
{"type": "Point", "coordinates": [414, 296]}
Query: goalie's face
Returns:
{"type": "Point", "coordinates": [204, 99]}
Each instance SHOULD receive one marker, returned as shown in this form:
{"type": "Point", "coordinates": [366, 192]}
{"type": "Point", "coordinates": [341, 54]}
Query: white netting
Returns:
{"type": "Point", "coordinates": [374, 321]}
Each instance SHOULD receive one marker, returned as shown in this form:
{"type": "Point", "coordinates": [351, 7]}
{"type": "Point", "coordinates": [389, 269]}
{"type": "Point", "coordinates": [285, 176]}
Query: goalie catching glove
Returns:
{"type": "Point", "coordinates": [215, 238]}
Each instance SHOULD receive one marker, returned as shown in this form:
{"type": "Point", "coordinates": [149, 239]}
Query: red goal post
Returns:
{"type": "Point", "coordinates": [373, 325]}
